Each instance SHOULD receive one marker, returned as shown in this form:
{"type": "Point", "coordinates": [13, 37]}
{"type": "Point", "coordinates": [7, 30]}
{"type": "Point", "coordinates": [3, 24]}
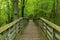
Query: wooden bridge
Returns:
{"type": "Point", "coordinates": [25, 29]}
{"type": "Point", "coordinates": [32, 25]}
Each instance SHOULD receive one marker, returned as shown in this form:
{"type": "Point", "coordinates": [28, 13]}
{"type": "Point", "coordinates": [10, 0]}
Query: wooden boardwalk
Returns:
{"type": "Point", "coordinates": [31, 32]}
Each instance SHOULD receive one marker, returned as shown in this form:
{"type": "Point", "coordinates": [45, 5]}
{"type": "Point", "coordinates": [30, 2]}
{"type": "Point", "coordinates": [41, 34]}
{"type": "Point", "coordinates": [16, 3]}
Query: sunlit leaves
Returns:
{"type": "Point", "coordinates": [36, 8]}
{"type": "Point", "coordinates": [6, 11]}
{"type": "Point", "coordinates": [29, 7]}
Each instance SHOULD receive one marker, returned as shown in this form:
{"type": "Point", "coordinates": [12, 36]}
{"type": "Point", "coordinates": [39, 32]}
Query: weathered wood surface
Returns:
{"type": "Point", "coordinates": [7, 26]}
{"type": "Point", "coordinates": [31, 32]}
{"type": "Point", "coordinates": [54, 26]}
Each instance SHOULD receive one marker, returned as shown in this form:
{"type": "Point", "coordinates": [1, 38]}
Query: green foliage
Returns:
{"type": "Point", "coordinates": [19, 8]}
{"type": "Point", "coordinates": [36, 8]}
{"type": "Point", "coordinates": [6, 12]}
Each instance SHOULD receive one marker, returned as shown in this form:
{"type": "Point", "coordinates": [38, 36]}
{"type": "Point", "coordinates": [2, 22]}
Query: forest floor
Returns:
{"type": "Point", "coordinates": [31, 32]}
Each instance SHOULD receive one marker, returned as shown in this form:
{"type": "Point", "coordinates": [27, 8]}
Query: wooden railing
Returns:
{"type": "Point", "coordinates": [51, 30]}
{"type": "Point", "coordinates": [9, 31]}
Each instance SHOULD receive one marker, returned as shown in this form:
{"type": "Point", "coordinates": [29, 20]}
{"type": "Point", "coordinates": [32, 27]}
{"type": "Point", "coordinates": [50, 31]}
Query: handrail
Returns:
{"type": "Point", "coordinates": [51, 30]}
{"type": "Point", "coordinates": [10, 31]}
{"type": "Point", "coordinates": [54, 26]}
{"type": "Point", "coordinates": [5, 27]}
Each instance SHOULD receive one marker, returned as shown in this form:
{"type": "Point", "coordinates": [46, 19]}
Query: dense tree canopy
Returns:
{"type": "Point", "coordinates": [49, 9]}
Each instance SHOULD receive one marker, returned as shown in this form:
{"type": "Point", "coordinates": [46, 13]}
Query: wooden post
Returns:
{"type": "Point", "coordinates": [8, 34]}
{"type": "Point", "coordinates": [53, 34]}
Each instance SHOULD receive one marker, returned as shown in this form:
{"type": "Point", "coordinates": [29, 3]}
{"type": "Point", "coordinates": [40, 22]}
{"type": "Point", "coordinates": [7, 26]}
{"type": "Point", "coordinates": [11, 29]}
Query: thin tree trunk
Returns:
{"type": "Point", "coordinates": [8, 13]}
{"type": "Point", "coordinates": [56, 17]}
{"type": "Point", "coordinates": [54, 11]}
{"type": "Point", "coordinates": [15, 8]}
{"type": "Point", "coordinates": [23, 6]}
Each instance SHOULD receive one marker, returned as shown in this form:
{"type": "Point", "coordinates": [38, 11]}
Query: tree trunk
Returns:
{"type": "Point", "coordinates": [23, 6]}
{"type": "Point", "coordinates": [56, 17]}
{"type": "Point", "coordinates": [15, 8]}
{"type": "Point", "coordinates": [54, 11]}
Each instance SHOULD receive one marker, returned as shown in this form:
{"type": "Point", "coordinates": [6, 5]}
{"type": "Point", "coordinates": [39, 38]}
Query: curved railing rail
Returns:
{"type": "Point", "coordinates": [51, 30]}
{"type": "Point", "coordinates": [9, 31]}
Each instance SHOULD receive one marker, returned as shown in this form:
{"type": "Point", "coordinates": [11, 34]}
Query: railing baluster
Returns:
{"type": "Point", "coordinates": [17, 28]}
{"type": "Point", "coordinates": [8, 34]}
{"type": "Point", "coordinates": [46, 30]}
{"type": "Point", "coordinates": [53, 34]}
{"type": "Point", "coordinates": [52, 30]}
{"type": "Point", "coordinates": [10, 30]}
